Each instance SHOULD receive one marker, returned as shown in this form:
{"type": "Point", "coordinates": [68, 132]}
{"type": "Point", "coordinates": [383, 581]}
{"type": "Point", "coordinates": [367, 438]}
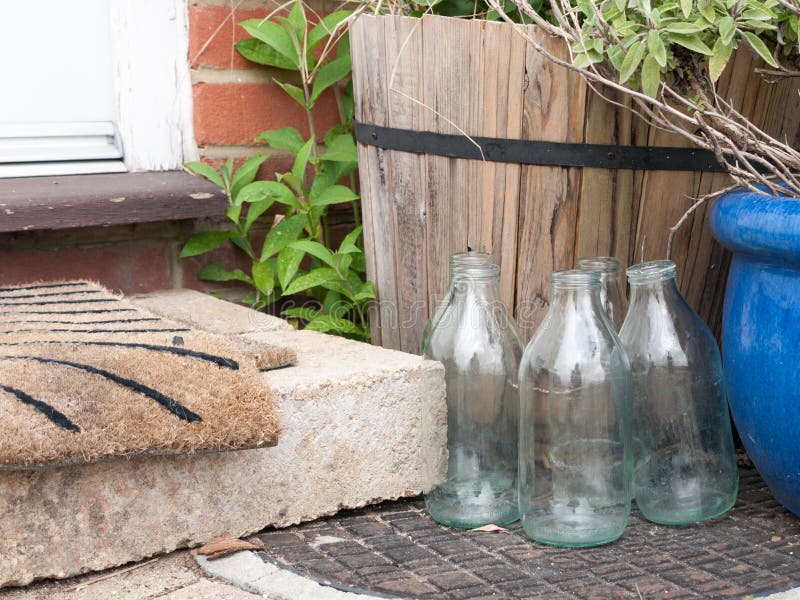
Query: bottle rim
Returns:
{"type": "Point", "coordinates": [574, 279]}
{"type": "Point", "coordinates": [654, 270]}
{"type": "Point", "coordinates": [605, 265]}
{"type": "Point", "coordinates": [461, 260]}
{"type": "Point", "coordinates": [476, 271]}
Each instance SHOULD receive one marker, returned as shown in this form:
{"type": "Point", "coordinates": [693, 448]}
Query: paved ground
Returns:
{"type": "Point", "coordinates": [170, 577]}
{"type": "Point", "coordinates": [396, 549]}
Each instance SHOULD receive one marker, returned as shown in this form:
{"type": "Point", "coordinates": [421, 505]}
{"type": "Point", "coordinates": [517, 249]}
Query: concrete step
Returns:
{"type": "Point", "coordinates": [360, 424]}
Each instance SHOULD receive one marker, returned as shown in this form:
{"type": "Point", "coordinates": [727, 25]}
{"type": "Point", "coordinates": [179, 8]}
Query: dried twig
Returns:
{"type": "Point", "coordinates": [94, 580]}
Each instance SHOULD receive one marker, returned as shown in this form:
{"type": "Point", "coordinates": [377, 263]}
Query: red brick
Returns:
{"type": "Point", "coordinates": [235, 113]}
{"type": "Point", "coordinates": [129, 267]}
{"type": "Point", "coordinates": [274, 164]}
{"type": "Point", "coordinates": [220, 51]}
{"type": "Point", "coordinates": [228, 255]}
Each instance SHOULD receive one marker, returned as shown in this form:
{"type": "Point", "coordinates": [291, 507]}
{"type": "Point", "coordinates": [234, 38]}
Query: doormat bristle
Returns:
{"type": "Point", "coordinates": [86, 376]}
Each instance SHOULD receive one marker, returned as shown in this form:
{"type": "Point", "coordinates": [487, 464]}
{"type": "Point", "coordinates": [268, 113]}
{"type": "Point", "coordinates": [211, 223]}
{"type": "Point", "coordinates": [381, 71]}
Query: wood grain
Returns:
{"type": "Point", "coordinates": [480, 78]}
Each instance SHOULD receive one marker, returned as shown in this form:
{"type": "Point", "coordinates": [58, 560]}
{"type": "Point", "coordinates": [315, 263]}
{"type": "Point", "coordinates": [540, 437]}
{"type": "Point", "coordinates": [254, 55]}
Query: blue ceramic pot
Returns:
{"type": "Point", "coordinates": [761, 332]}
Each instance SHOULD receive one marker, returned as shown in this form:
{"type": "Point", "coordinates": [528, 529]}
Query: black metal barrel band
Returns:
{"type": "Point", "coordinates": [532, 152]}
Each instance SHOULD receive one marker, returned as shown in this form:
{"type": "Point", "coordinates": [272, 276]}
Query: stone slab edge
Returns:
{"type": "Point", "coordinates": [248, 572]}
{"type": "Point", "coordinates": [360, 424]}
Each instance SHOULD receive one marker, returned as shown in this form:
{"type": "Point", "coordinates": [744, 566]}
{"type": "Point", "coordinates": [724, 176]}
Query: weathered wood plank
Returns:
{"type": "Point", "coordinates": [498, 113]}
{"type": "Point", "coordinates": [406, 177]}
{"type": "Point", "coordinates": [554, 108]}
{"type": "Point", "coordinates": [370, 89]}
{"type": "Point", "coordinates": [480, 78]}
{"type": "Point", "coordinates": [447, 49]}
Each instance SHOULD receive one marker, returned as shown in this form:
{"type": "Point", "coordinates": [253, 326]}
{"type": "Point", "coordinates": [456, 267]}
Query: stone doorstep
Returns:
{"type": "Point", "coordinates": [360, 424]}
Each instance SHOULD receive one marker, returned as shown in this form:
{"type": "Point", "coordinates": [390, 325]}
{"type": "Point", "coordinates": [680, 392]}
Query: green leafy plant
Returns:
{"type": "Point", "coordinates": [297, 255]}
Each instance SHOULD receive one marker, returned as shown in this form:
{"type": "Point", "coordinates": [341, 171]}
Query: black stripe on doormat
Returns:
{"type": "Point", "coordinates": [56, 416]}
{"type": "Point", "coordinates": [176, 408]}
{"type": "Point", "coordinates": [73, 293]}
{"type": "Point", "coordinates": [62, 330]}
{"type": "Point", "coordinates": [72, 312]}
{"type": "Point", "coordinates": [220, 361]}
{"type": "Point", "coordinates": [45, 321]}
{"type": "Point", "coordinates": [45, 286]}
{"type": "Point", "coordinates": [534, 152]}
{"type": "Point", "coordinates": [43, 302]}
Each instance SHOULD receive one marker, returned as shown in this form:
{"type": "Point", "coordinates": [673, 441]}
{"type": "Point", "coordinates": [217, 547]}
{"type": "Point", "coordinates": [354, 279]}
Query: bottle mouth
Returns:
{"type": "Point", "coordinates": [481, 270]}
{"type": "Point", "coordinates": [654, 270]}
{"type": "Point", "coordinates": [605, 265]}
{"type": "Point", "coordinates": [461, 260]}
{"type": "Point", "coordinates": [575, 279]}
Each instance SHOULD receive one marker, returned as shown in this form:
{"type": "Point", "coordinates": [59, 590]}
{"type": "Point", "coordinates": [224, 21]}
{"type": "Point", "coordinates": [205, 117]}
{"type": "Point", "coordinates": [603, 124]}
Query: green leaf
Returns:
{"type": "Point", "coordinates": [294, 92]}
{"type": "Point", "coordinates": [342, 262]}
{"type": "Point", "coordinates": [686, 8]}
{"type": "Point", "coordinates": [707, 10]}
{"type": "Point", "coordinates": [297, 184]}
{"type": "Point", "coordinates": [263, 277]}
{"type": "Point", "coordinates": [260, 53]}
{"type": "Point", "coordinates": [656, 48]}
{"type": "Point", "coordinates": [761, 48]}
{"type": "Point", "coordinates": [312, 279]}
{"type": "Point", "coordinates": [301, 312]}
{"type": "Point", "coordinates": [325, 27]}
{"type": "Point", "coordinates": [719, 59]}
{"type": "Point", "coordinates": [651, 76]}
{"type": "Point", "coordinates": [727, 28]}
{"type": "Point", "coordinates": [283, 234]}
{"type": "Point", "coordinates": [682, 28]}
{"type": "Point", "coordinates": [217, 272]}
{"type": "Point", "coordinates": [205, 171]}
{"type": "Point", "coordinates": [289, 261]}
{"type": "Point", "coordinates": [690, 42]}
{"type": "Point", "coordinates": [233, 212]}
{"type": "Point", "coordinates": [330, 74]}
{"type": "Point", "coordinates": [255, 210]}
{"type": "Point", "coordinates": [367, 292]}
{"type": "Point", "coordinates": [631, 62]}
{"type": "Point", "coordinates": [301, 161]}
{"type": "Point", "coordinates": [330, 323]}
{"type": "Point", "coordinates": [274, 36]}
{"type": "Point", "coordinates": [316, 250]}
{"type": "Point", "coordinates": [226, 172]}
{"type": "Point", "coordinates": [342, 148]}
{"type": "Point", "coordinates": [246, 174]}
{"type": "Point", "coordinates": [336, 194]}
{"type": "Point", "coordinates": [297, 18]}
{"type": "Point", "coordinates": [348, 245]}
{"type": "Point", "coordinates": [285, 138]}
{"type": "Point", "coordinates": [259, 190]}
{"type": "Point", "coordinates": [200, 243]}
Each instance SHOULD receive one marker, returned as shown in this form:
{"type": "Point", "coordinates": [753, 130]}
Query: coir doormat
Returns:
{"type": "Point", "coordinates": [86, 376]}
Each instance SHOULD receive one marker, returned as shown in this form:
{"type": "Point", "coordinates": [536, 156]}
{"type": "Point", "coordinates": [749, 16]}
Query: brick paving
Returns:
{"type": "Point", "coordinates": [396, 549]}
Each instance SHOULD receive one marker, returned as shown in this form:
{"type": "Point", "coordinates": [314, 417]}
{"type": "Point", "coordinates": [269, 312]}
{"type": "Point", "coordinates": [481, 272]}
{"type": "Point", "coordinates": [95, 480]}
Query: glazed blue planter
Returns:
{"type": "Point", "coordinates": [761, 332]}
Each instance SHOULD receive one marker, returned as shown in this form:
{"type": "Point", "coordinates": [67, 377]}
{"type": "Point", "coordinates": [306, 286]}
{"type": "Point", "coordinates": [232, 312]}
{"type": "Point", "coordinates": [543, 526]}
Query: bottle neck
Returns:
{"type": "Point", "coordinates": [579, 299]}
{"type": "Point", "coordinates": [662, 290]}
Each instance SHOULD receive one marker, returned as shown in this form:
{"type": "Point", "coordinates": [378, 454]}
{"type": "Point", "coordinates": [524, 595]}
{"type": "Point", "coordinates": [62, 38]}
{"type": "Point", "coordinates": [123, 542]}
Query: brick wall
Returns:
{"type": "Point", "coordinates": [233, 101]}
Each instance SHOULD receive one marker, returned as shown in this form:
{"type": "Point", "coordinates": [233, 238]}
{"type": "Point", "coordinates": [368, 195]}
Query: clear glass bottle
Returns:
{"type": "Point", "coordinates": [457, 261]}
{"type": "Point", "coordinates": [684, 463]}
{"type": "Point", "coordinates": [575, 421]}
{"type": "Point", "coordinates": [612, 286]}
{"type": "Point", "coordinates": [478, 343]}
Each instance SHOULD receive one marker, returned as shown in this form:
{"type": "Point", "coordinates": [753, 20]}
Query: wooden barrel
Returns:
{"type": "Point", "coordinates": [479, 78]}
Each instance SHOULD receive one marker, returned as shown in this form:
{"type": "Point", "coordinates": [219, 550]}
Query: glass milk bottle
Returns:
{"type": "Point", "coordinates": [612, 288]}
{"type": "Point", "coordinates": [575, 465]}
{"type": "Point", "coordinates": [684, 464]}
{"type": "Point", "coordinates": [478, 344]}
{"type": "Point", "coordinates": [457, 261]}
